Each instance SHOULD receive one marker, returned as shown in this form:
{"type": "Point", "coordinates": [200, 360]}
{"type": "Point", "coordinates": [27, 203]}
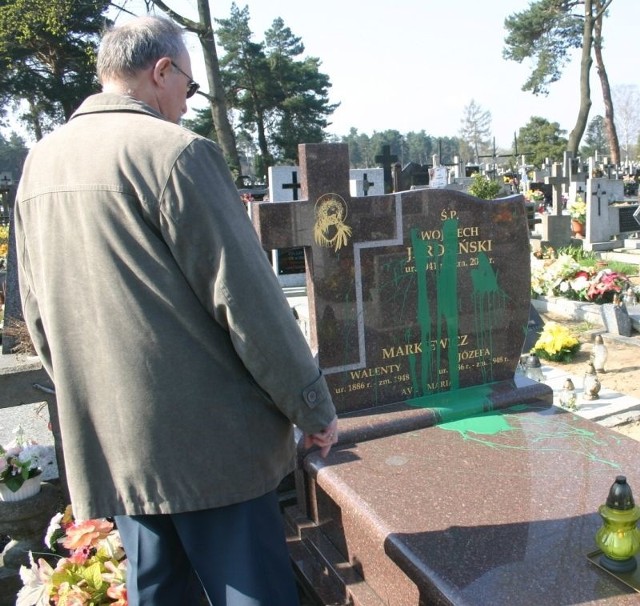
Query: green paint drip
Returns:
{"type": "Point", "coordinates": [420, 249]}
{"type": "Point", "coordinates": [489, 302]}
{"type": "Point", "coordinates": [447, 292]}
{"type": "Point", "coordinates": [439, 260]}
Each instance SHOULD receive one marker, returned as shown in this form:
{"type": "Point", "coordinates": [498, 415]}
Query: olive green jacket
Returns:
{"type": "Point", "coordinates": [178, 365]}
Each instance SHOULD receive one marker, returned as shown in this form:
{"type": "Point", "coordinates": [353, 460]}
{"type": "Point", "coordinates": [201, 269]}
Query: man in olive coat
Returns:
{"type": "Point", "coordinates": [179, 368]}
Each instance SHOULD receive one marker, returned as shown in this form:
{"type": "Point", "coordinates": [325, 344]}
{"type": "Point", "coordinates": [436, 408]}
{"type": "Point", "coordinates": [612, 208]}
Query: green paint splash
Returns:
{"type": "Point", "coordinates": [452, 405]}
{"type": "Point", "coordinates": [488, 424]}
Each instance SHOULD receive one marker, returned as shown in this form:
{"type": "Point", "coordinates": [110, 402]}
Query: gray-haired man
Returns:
{"type": "Point", "coordinates": [178, 366]}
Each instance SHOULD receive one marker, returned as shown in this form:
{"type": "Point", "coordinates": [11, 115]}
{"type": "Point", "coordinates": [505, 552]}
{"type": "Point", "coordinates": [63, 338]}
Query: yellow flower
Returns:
{"type": "Point", "coordinates": [556, 343]}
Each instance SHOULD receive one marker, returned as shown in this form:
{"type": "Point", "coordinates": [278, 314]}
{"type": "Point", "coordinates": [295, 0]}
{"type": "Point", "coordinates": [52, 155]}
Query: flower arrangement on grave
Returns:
{"type": "Point", "coordinates": [563, 276]}
{"type": "Point", "coordinates": [630, 184]}
{"type": "Point", "coordinates": [20, 460]}
{"type": "Point", "coordinates": [91, 569]}
{"type": "Point", "coordinates": [534, 195]}
{"type": "Point", "coordinates": [605, 285]}
{"type": "Point", "coordinates": [4, 245]}
{"type": "Point", "coordinates": [578, 209]}
{"type": "Point", "coordinates": [556, 343]}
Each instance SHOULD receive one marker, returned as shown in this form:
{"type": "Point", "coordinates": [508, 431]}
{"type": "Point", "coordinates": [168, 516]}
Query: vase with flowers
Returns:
{"type": "Point", "coordinates": [20, 467]}
{"type": "Point", "coordinates": [578, 210]}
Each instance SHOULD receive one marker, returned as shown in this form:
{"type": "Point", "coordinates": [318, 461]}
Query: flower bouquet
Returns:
{"type": "Point", "coordinates": [556, 343]}
{"type": "Point", "coordinates": [578, 209]}
{"type": "Point", "coordinates": [92, 571]}
{"type": "Point", "coordinates": [535, 195]}
{"type": "Point", "coordinates": [20, 461]}
{"type": "Point", "coordinates": [605, 285]}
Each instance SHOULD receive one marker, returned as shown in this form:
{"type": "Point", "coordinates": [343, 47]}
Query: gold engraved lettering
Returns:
{"type": "Point", "coordinates": [375, 371]}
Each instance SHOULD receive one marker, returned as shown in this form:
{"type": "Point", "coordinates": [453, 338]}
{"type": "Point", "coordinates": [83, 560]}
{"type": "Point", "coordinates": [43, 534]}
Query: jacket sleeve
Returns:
{"type": "Point", "coordinates": [213, 241]}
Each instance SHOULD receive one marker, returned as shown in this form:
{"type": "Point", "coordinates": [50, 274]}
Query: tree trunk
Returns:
{"type": "Point", "coordinates": [219, 114]}
{"type": "Point", "coordinates": [204, 31]}
{"type": "Point", "coordinates": [609, 123]}
{"type": "Point", "coordinates": [585, 89]}
{"type": "Point", "coordinates": [262, 139]}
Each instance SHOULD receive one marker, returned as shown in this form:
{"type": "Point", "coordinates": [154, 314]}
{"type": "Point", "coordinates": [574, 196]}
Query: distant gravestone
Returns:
{"type": "Point", "coordinates": [387, 160]}
{"type": "Point", "coordinates": [616, 319]}
{"type": "Point", "coordinates": [414, 175]}
{"type": "Point", "coordinates": [412, 294]}
{"type": "Point", "coordinates": [284, 186]}
{"type": "Point", "coordinates": [438, 177]}
{"type": "Point", "coordinates": [366, 182]}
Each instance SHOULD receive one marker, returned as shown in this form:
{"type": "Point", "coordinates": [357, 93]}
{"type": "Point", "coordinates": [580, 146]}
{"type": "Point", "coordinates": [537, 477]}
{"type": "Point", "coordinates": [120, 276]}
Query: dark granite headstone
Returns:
{"type": "Point", "coordinates": [616, 319]}
{"type": "Point", "coordinates": [419, 307]}
{"type": "Point", "coordinates": [412, 294]}
{"type": "Point", "coordinates": [534, 329]}
{"type": "Point", "coordinates": [414, 175]}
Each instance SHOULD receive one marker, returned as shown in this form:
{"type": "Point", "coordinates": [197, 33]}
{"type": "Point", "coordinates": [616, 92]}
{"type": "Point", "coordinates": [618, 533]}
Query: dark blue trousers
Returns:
{"type": "Point", "coordinates": [237, 553]}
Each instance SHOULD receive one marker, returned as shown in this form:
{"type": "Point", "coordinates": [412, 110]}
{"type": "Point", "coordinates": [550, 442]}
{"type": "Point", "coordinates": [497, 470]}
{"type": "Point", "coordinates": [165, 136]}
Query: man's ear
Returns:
{"type": "Point", "coordinates": [160, 71]}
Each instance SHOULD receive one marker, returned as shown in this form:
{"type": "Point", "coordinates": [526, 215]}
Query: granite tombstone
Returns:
{"type": "Point", "coordinates": [420, 300]}
{"type": "Point", "coordinates": [411, 294]}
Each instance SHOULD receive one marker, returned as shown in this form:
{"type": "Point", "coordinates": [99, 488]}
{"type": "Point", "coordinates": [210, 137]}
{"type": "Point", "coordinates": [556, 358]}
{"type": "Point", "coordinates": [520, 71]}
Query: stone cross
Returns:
{"type": "Point", "coordinates": [556, 180]}
{"type": "Point", "coordinates": [386, 159]}
{"type": "Point", "coordinates": [410, 294]}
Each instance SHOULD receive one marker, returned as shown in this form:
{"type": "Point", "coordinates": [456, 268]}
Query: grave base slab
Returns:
{"type": "Point", "coordinates": [499, 508]}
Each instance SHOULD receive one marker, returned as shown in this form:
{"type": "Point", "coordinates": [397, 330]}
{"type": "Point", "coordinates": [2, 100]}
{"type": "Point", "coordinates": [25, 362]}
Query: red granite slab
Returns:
{"type": "Point", "coordinates": [450, 515]}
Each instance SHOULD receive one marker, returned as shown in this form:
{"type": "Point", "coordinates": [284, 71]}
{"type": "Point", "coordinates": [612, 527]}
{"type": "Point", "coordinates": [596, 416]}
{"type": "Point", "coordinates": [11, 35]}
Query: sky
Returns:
{"type": "Point", "coordinates": [413, 65]}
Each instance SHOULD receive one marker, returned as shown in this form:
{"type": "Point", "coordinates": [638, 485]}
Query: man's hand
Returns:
{"type": "Point", "coordinates": [323, 439]}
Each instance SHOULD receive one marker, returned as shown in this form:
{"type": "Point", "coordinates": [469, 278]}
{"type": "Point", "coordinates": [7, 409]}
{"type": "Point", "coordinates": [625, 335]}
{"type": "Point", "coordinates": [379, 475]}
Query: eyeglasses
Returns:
{"type": "Point", "coordinates": [192, 86]}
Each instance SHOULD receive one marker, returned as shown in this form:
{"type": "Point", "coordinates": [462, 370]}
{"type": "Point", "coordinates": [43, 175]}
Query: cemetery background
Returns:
{"type": "Point", "coordinates": [622, 357]}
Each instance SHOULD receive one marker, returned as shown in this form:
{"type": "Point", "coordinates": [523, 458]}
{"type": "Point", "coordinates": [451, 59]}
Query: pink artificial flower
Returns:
{"type": "Point", "coordinates": [80, 555]}
{"type": "Point", "coordinates": [86, 534]}
{"type": "Point", "coordinates": [118, 593]}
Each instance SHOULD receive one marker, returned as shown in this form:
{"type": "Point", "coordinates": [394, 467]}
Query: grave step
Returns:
{"type": "Point", "coordinates": [624, 255]}
{"type": "Point", "coordinates": [323, 574]}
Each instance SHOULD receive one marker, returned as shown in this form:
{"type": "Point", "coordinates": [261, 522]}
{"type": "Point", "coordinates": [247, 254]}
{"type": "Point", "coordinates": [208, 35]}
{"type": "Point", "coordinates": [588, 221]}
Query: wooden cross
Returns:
{"type": "Point", "coordinates": [294, 185]}
{"type": "Point", "coordinates": [386, 158]}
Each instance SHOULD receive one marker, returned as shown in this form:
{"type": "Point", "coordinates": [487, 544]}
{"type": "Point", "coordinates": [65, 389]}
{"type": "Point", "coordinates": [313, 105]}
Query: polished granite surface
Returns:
{"type": "Point", "coordinates": [499, 508]}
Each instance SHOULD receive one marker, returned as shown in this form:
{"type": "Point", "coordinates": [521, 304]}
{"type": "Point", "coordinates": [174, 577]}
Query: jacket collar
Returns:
{"type": "Point", "coordinates": [111, 102]}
